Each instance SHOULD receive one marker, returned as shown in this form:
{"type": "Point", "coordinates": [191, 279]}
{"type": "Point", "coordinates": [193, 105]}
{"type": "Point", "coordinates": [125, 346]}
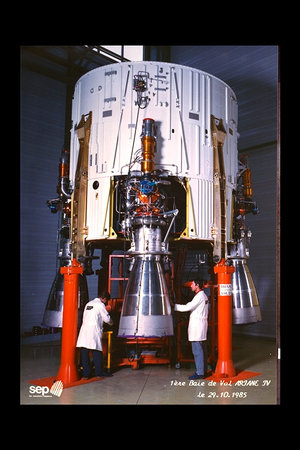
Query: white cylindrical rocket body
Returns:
{"type": "Point", "coordinates": [192, 168]}
{"type": "Point", "coordinates": [181, 101]}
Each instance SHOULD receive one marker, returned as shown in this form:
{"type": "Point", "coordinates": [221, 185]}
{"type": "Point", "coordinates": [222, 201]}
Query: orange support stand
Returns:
{"type": "Point", "coordinates": [224, 367]}
{"type": "Point", "coordinates": [68, 372]}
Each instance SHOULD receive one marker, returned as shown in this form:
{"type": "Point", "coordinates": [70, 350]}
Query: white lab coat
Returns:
{"type": "Point", "coordinates": [198, 323]}
{"type": "Point", "coordinates": [90, 334]}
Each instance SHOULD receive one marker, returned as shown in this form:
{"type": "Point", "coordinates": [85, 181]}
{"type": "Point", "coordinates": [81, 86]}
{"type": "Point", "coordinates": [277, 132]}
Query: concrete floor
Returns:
{"type": "Point", "coordinates": [156, 384]}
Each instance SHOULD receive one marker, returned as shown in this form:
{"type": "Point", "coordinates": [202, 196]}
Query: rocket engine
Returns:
{"type": "Point", "coordinates": [244, 297]}
{"type": "Point", "coordinates": [146, 309]}
{"type": "Point", "coordinates": [53, 314]}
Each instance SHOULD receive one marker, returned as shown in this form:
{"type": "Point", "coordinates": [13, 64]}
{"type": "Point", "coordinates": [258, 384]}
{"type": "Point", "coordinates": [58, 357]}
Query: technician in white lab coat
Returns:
{"type": "Point", "coordinates": [197, 328]}
{"type": "Point", "coordinates": [90, 334]}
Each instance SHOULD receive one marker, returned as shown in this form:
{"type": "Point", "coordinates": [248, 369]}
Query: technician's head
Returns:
{"type": "Point", "coordinates": [104, 296]}
{"type": "Point", "coordinates": [197, 285]}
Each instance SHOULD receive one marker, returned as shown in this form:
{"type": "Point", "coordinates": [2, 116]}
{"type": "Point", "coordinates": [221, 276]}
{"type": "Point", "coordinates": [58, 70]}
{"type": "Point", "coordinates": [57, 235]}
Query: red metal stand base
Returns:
{"type": "Point", "coordinates": [243, 375]}
{"type": "Point", "coordinates": [225, 369]}
{"type": "Point", "coordinates": [49, 381]}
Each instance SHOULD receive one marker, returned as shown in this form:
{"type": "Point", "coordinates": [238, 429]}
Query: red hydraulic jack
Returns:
{"type": "Point", "coordinates": [224, 367]}
{"type": "Point", "coordinates": [68, 372]}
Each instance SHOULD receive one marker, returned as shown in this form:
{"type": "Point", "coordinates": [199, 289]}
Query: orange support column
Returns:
{"type": "Point", "coordinates": [68, 372]}
{"type": "Point", "coordinates": [224, 367]}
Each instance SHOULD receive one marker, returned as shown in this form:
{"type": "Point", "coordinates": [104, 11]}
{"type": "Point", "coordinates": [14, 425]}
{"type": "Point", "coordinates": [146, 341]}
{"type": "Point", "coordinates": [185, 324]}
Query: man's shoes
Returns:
{"type": "Point", "coordinates": [195, 376]}
{"type": "Point", "coordinates": [104, 374]}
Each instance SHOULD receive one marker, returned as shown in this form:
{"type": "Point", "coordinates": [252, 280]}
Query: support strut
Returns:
{"type": "Point", "coordinates": [224, 367]}
{"type": "Point", "coordinates": [68, 372]}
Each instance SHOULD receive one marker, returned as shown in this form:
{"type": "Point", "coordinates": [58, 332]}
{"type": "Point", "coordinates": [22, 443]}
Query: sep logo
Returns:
{"type": "Point", "coordinates": [43, 391]}
{"type": "Point", "coordinates": [39, 391]}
